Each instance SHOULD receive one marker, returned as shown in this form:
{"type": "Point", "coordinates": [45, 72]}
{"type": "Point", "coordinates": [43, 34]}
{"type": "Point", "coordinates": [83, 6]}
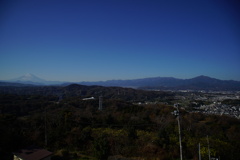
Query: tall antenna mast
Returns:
{"type": "Point", "coordinates": [100, 103]}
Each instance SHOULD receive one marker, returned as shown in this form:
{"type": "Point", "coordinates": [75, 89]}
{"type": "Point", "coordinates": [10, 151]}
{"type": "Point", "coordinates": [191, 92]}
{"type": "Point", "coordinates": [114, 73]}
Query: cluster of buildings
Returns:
{"type": "Point", "coordinates": [215, 103]}
{"type": "Point", "coordinates": [220, 109]}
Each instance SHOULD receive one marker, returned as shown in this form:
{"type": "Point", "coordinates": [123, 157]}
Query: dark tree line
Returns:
{"type": "Point", "coordinates": [76, 128]}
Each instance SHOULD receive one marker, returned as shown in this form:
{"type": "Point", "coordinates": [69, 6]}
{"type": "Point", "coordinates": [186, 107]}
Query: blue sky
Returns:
{"type": "Point", "coordinates": [91, 40]}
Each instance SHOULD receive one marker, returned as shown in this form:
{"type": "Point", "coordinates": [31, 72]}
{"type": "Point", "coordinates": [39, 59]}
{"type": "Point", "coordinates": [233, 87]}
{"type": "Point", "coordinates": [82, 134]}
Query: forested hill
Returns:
{"type": "Point", "coordinates": [83, 91]}
{"type": "Point", "coordinates": [77, 130]}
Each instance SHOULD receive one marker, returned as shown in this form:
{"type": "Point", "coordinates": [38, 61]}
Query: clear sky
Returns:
{"type": "Point", "coordinates": [91, 40]}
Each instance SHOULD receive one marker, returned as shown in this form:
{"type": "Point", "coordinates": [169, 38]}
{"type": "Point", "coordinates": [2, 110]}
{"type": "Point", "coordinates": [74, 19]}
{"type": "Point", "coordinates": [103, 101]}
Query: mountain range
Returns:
{"type": "Point", "coordinates": [33, 80]}
{"type": "Point", "coordinates": [161, 83]}
{"type": "Point", "coordinates": [170, 83]}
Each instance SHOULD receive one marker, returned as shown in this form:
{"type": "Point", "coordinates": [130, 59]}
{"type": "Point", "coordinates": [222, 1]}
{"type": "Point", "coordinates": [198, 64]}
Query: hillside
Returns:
{"type": "Point", "coordinates": [75, 90]}
{"type": "Point", "coordinates": [76, 129]}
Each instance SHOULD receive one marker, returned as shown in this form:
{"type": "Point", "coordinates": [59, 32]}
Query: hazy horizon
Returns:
{"type": "Point", "coordinates": [109, 40]}
{"type": "Point", "coordinates": [27, 74]}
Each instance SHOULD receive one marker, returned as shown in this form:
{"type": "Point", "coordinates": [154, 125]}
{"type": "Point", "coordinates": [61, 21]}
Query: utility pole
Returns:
{"type": "Point", "coordinates": [45, 126]}
{"type": "Point", "coordinates": [208, 149]}
{"type": "Point", "coordinates": [199, 151]}
{"type": "Point", "coordinates": [176, 113]}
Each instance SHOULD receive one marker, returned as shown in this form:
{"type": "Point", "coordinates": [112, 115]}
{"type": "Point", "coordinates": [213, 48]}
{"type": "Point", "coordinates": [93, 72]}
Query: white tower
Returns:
{"type": "Point", "coordinates": [100, 103]}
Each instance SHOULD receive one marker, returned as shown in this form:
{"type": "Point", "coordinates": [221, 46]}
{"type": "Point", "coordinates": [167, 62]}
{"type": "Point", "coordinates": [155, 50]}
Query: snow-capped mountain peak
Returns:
{"type": "Point", "coordinates": [29, 78]}
{"type": "Point", "coordinates": [34, 80]}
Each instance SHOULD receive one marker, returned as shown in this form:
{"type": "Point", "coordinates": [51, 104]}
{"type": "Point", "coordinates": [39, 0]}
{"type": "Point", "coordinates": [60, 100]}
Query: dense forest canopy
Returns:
{"type": "Point", "coordinates": [74, 128]}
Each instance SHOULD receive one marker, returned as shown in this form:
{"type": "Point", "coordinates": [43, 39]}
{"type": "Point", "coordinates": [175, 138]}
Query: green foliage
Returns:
{"type": "Point", "coordinates": [233, 102]}
{"type": "Point", "coordinates": [101, 147]}
{"type": "Point", "coordinates": [77, 127]}
{"type": "Point", "coordinates": [163, 138]}
{"type": "Point", "coordinates": [131, 132]}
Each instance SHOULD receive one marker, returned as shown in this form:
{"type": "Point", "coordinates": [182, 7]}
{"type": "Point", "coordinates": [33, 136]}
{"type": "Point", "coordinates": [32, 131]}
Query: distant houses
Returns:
{"type": "Point", "coordinates": [32, 153]}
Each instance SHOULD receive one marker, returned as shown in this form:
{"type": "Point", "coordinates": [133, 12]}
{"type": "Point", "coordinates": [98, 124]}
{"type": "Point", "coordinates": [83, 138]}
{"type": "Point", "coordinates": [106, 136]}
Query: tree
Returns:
{"type": "Point", "coordinates": [101, 148]}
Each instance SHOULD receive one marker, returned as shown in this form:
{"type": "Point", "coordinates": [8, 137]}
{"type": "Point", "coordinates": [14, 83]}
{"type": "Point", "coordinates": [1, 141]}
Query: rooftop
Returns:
{"type": "Point", "coordinates": [32, 153]}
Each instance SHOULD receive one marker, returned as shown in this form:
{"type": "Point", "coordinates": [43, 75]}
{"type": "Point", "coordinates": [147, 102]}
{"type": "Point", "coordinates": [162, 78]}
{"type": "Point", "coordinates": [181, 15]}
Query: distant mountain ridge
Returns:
{"type": "Point", "coordinates": [135, 83]}
{"type": "Point", "coordinates": [170, 83]}
{"type": "Point", "coordinates": [161, 83]}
